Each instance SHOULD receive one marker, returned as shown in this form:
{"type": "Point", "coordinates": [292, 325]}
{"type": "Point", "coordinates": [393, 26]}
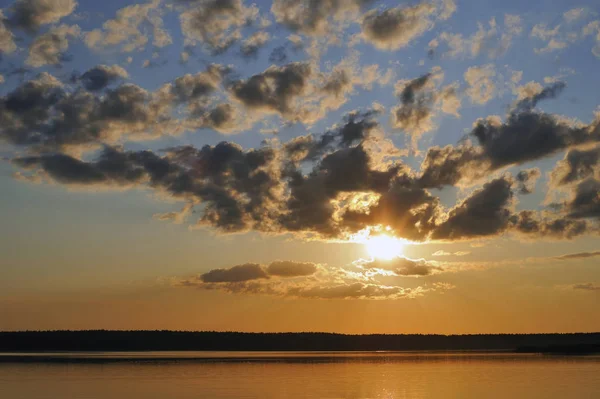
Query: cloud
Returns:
{"type": "Point", "coordinates": [585, 200]}
{"type": "Point", "coordinates": [236, 274]}
{"type": "Point", "coordinates": [445, 166]}
{"type": "Point", "coordinates": [532, 224]}
{"type": "Point", "coordinates": [128, 29]}
{"type": "Point", "coordinates": [401, 266]}
{"type": "Point", "coordinates": [419, 98]}
{"type": "Point", "coordinates": [593, 28]}
{"type": "Point", "coordinates": [275, 89]}
{"type": "Point", "coordinates": [573, 14]}
{"type": "Point", "coordinates": [49, 48]}
{"type": "Point", "coordinates": [481, 85]}
{"type": "Point", "coordinates": [299, 92]}
{"type": "Point", "coordinates": [486, 212]}
{"type": "Point", "coordinates": [7, 39]}
{"type": "Point", "coordinates": [291, 269]}
{"type": "Point", "coordinates": [444, 253]}
{"type": "Point", "coordinates": [254, 43]}
{"type": "Point", "coordinates": [526, 180]}
{"type": "Point", "coordinates": [101, 76]}
{"type": "Point", "coordinates": [580, 255]}
{"type": "Point", "coordinates": [327, 186]}
{"type": "Point", "coordinates": [176, 217]}
{"type": "Point", "coordinates": [216, 24]}
{"type": "Point", "coordinates": [395, 28]}
{"type": "Point", "coordinates": [310, 281]}
{"type": "Point", "coordinates": [45, 115]}
{"type": "Point", "coordinates": [30, 15]}
{"type": "Point", "coordinates": [189, 88]}
{"type": "Point", "coordinates": [554, 38]}
{"type": "Point", "coordinates": [314, 17]}
{"type": "Point", "coordinates": [587, 287]}
{"type": "Point", "coordinates": [493, 41]}
{"type": "Point", "coordinates": [577, 165]}
{"type": "Point", "coordinates": [525, 135]}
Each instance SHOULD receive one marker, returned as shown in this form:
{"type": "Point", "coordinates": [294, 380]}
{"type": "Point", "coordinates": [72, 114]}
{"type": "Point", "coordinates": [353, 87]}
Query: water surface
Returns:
{"type": "Point", "coordinates": [320, 375]}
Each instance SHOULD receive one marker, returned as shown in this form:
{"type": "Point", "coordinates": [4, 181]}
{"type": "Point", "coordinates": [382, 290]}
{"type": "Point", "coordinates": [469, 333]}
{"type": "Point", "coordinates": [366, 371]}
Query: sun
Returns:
{"type": "Point", "coordinates": [384, 247]}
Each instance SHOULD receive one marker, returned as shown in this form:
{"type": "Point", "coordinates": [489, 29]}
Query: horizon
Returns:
{"type": "Point", "coordinates": [293, 332]}
{"type": "Point", "coordinates": [361, 167]}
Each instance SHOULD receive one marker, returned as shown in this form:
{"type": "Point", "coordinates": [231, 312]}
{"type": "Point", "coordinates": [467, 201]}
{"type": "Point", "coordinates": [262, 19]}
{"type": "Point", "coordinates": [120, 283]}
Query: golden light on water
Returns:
{"type": "Point", "coordinates": [384, 247]}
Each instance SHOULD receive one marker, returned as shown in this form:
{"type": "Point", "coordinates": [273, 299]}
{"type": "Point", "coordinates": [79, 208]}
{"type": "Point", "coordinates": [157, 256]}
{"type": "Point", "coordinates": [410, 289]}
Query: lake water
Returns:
{"type": "Point", "coordinates": [297, 375]}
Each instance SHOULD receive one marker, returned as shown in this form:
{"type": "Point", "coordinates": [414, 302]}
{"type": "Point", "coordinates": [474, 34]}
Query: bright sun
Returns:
{"type": "Point", "coordinates": [384, 247]}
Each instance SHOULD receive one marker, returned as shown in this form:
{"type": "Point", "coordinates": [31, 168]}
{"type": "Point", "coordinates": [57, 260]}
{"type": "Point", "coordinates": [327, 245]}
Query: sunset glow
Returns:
{"type": "Point", "coordinates": [384, 247]}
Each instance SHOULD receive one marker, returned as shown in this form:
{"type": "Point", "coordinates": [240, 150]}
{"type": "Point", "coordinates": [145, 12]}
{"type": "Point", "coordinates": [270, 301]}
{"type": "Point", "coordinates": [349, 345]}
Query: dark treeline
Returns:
{"type": "Point", "coordinates": [102, 340]}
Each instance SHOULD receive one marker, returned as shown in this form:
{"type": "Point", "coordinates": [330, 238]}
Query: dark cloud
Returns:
{"type": "Point", "coordinates": [585, 202]}
{"type": "Point", "coordinates": [63, 168]}
{"type": "Point", "coordinates": [45, 115]}
{"type": "Point", "coordinates": [101, 76]}
{"type": "Point", "coordinates": [30, 15]}
{"type": "Point", "coordinates": [532, 224]}
{"type": "Point", "coordinates": [576, 166]}
{"type": "Point", "coordinates": [526, 135]}
{"type": "Point", "coordinates": [409, 210]}
{"type": "Point", "coordinates": [189, 87]}
{"type": "Point", "coordinates": [310, 206]}
{"type": "Point", "coordinates": [236, 274]}
{"type": "Point", "coordinates": [275, 89]}
{"type": "Point", "coordinates": [446, 166]}
{"type": "Point", "coordinates": [486, 212]}
{"type": "Point", "coordinates": [526, 180]}
{"type": "Point", "coordinates": [396, 27]}
{"type": "Point", "coordinates": [356, 127]}
{"type": "Point", "coordinates": [291, 269]}
{"type": "Point", "coordinates": [580, 255]}
{"type": "Point", "coordinates": [325, 186]}
{"type": "Point", "coordinates": [278, 55]}
{"type": "Point", "coordinates": [415, 113]}
{"type": "Point", "coordinates": [549, 92]}
{"type": "Point", "coordinates": [418, 97]}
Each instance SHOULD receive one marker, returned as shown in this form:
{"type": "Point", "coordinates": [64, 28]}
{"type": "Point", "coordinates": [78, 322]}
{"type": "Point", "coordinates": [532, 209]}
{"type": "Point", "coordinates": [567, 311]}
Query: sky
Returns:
{"type": "Point", "coordinates": [356, 166]}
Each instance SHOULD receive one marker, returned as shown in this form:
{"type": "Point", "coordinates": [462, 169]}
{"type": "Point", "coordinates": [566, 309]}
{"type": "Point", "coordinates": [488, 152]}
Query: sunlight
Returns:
{"type": "Point", "coordinates": [384, 247]}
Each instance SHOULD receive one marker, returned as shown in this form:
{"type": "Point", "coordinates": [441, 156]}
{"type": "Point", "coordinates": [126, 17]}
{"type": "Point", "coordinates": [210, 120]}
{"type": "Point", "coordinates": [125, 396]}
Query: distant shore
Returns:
{"type": "Point", "coordinates": [123, 341]}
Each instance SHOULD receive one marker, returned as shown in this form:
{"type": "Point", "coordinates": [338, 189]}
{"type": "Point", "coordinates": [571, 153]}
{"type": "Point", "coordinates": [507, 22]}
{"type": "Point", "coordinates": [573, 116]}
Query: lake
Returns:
{"type": "Point", "coordinates": [297, 375]}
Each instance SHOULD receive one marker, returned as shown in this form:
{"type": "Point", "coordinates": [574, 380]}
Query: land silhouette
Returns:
{"type": "Point", "coordinates": [105, 340]}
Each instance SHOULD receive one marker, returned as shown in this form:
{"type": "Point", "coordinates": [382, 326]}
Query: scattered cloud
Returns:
{"type": "Point", "coordinates": [30, 15]}
{"type": "Point", "coordinates": [481, 83]}
{"type": "Point", "coordinates": [526, 180]}
{"type": "Point", "coordinates": [131, 29]}
{"type": "Point", "coordinates": [50, 47]}
{"type": "Point", "coordinates": [492, 41]}
{"type": "Point", "coordinates": [216, 24]}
